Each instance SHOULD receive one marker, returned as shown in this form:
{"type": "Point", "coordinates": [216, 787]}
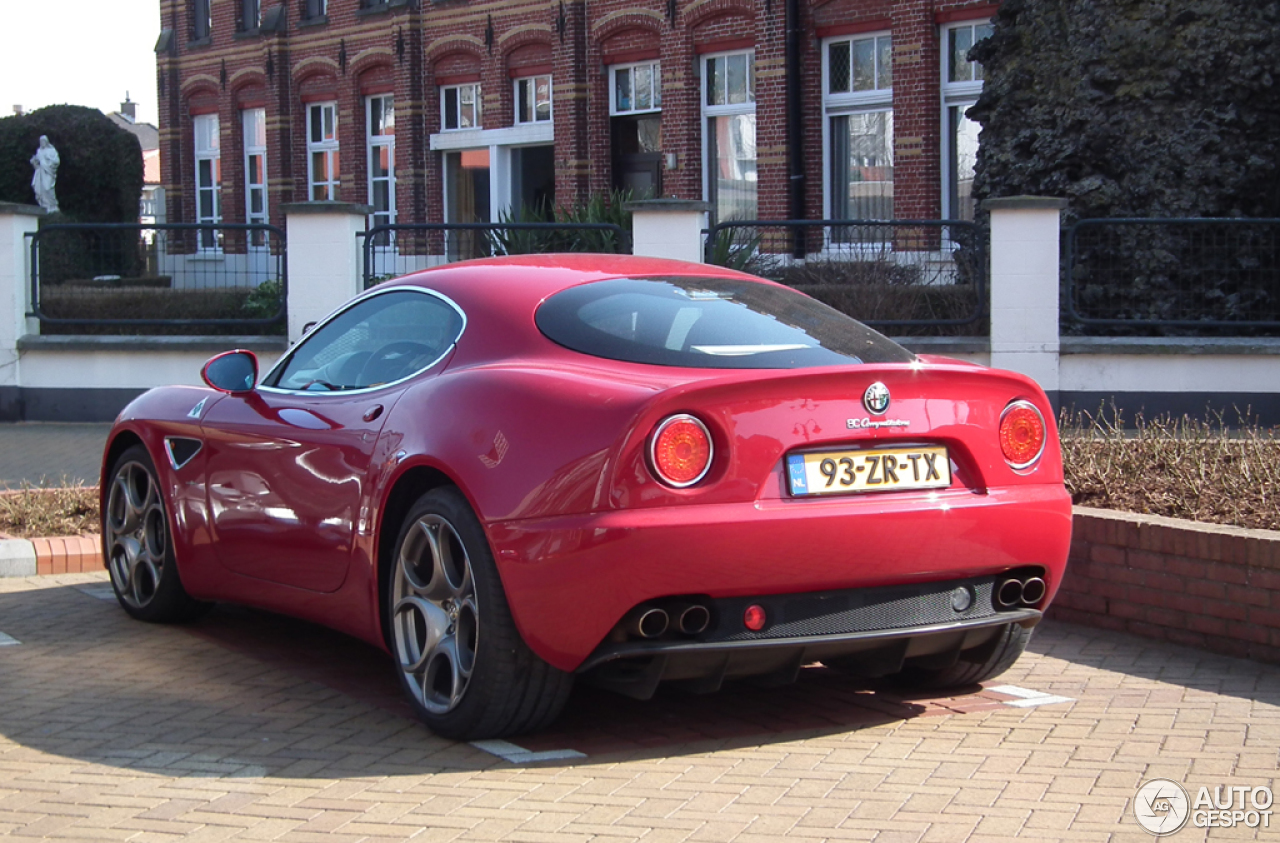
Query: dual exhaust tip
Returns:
{"type": "Point", "coordinates": [1014, 592]}
{"type": "Point", "coordinates": [654, 621]}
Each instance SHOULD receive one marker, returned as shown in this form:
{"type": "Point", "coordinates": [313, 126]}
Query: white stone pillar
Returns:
{"type": "Point", "coordinates": [1025, 233]}
{"type": "Point", "coordinates": [325, 258]}
{"type": "Point", "coordinates": [16, 222]}
{"type": "Point", "coordinates": [668, 228]}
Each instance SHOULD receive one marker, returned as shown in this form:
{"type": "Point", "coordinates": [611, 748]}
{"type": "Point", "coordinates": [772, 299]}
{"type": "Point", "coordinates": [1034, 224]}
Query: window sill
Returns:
{"type": "Point", "coordinates": [246, 34]}
{"type": "Point", "coordinates": [370, 11]}
{"type": "Point", "coordinates": [321, 20]}
{"type": "Point", "coordinates": [206, 41]}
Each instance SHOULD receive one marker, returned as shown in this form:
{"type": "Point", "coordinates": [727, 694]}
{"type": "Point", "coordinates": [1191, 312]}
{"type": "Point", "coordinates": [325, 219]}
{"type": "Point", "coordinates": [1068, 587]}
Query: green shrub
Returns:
{"type": "Point", "coordinates": [596, 210]}
{"type": "Point", "coordinates": [264, 301]}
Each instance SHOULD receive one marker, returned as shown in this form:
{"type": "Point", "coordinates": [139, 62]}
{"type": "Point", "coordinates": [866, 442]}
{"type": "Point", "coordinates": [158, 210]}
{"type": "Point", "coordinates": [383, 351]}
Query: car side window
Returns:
{"type": "Point", "coordinates": [379, 340]}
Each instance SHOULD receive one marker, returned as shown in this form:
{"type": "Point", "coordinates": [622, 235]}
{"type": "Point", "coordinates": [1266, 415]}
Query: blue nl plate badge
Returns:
{"type": "Point", "coordinates": [795, 468]}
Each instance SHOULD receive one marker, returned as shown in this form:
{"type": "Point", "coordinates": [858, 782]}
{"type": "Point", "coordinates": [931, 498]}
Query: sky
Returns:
{"type": "Point", "coordinates": [79, 52]}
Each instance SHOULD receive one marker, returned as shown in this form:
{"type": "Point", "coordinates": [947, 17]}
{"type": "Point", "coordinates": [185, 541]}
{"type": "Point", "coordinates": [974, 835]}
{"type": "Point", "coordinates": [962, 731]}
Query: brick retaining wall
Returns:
{"type": "Point", "coordinates": [1202, 585]}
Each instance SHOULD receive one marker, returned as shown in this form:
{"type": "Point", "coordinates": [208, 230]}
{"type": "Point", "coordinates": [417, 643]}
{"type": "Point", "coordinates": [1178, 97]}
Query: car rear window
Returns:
{"type": "Point", "coordinates": [709, 323]}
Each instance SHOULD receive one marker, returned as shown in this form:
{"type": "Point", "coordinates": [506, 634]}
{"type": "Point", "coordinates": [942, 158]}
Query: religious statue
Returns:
{"type": "Point", "coordinates": [45, 162]}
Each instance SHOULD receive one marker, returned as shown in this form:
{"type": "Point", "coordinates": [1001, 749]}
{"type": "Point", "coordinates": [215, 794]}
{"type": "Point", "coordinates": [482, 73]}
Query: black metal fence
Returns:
{"type": "Point", "coordinates": [907, 277]}
{"type": "Point", "coordinates": [1156, 276]}
{"type": "Point", "coordinates": [399, 248]}
{"type": "Point", "coordinates": [175, 278]}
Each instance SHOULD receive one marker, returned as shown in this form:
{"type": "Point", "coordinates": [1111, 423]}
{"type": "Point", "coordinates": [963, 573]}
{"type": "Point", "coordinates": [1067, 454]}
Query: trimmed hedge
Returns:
{"type": "Point", "coordinates": [128, 302]}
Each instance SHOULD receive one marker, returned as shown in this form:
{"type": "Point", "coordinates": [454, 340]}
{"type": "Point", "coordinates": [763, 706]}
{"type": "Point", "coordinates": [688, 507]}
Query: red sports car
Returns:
{"type": "Point", "coordinates": [513, 472]}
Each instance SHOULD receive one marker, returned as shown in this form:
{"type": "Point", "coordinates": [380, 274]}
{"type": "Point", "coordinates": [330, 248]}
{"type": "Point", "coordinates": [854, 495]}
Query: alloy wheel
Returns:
{"type": "Point", "coordinates": [137, 534]}
{"type": "Point", "coordinates": [435, 618]}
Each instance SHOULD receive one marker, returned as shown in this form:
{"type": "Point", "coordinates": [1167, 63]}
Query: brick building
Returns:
{"type": "Point", "coordinates": [457, 110]}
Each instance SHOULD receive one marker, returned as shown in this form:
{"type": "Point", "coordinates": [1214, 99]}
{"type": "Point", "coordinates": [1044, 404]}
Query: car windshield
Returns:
{"type": "Point", "coordinates": [709, 323]}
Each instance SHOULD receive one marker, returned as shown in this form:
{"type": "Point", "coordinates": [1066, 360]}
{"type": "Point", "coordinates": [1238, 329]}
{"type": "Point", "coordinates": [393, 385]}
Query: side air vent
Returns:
{"type": "Point", "coordinates": [181, 450]}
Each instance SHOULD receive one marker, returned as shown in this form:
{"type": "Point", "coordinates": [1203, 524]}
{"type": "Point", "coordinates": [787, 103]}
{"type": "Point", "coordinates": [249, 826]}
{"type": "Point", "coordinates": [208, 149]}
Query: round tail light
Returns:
{"type": "Point", "coordinates": [1022, 434]}
{"type": "Point", "coordinates": [680, 451]}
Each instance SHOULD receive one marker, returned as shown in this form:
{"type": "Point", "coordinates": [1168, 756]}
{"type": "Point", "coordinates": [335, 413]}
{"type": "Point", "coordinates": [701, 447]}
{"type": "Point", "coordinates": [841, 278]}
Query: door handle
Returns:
{"type": "Point", "coordinates": [373, 412]}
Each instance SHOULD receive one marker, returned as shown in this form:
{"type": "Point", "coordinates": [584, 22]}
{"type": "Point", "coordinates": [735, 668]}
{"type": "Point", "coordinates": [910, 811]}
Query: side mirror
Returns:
{"type": "Point", "coordinates": [235, 372]}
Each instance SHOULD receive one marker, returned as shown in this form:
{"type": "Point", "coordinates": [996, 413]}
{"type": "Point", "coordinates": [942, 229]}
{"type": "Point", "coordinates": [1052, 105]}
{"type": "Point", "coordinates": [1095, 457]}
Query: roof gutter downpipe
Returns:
{"type": "Point", "coordinates": [795, 127]}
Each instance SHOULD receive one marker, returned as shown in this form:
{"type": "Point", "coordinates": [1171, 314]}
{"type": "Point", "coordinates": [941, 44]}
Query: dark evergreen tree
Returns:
{"type": "Point", "coordinates": [100, 170]}
{"type": "Point", "coordinates": [1165, 108]}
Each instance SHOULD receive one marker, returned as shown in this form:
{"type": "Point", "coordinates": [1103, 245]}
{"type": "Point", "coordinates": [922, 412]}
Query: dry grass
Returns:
{"type": "Point", "coordinates": [31, 512]}
{"type": "Point", "coordinates": [1182, 468]}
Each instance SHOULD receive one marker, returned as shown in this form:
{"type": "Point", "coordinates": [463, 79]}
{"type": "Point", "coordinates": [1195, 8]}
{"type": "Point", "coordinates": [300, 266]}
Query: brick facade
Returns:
{"type": "Point", "coordinates": [409, 48]}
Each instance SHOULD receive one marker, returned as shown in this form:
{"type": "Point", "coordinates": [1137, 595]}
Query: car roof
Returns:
{"type": "Point", "coordinates": [524, 280]}
{"type": "Point", "coordinates": [500, 296]}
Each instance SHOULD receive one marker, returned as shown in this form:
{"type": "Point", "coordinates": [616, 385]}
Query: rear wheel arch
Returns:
{"type": "Point", "coordinates": [404, 493]}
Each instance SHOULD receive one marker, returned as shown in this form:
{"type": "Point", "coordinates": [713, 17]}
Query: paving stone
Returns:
{"type": "Point", "coordinates": [232, 729]}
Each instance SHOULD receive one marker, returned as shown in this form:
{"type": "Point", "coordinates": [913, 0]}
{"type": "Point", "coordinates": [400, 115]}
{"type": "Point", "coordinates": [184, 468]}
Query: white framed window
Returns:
{"type": "Point", "coordinates": [460, 107]}
{"type": "Point", "coordinates": [254, 121]}
{"type": "Point", "coordinates": [533, 99]}
{"type": "Point", "coordinates": [635, 88]}
{"type": "Point", "coordinates": [322, 151]}
{"type": "Point", "coordinates": [857, 104]}
{"type": "Point", "coordinates": [208, 158]}
{"type": "Point", "coordinates": [729, 134]}
{"type": "Point", "coordinates": [961, 86]}
{"type": "Point", "coordinates": [380, 131]}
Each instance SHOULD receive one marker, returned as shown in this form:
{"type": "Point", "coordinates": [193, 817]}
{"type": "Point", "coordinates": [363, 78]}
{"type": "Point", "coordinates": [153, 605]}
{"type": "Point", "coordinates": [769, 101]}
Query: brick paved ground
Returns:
{"type": "Point", "coordinates": [252, 727]}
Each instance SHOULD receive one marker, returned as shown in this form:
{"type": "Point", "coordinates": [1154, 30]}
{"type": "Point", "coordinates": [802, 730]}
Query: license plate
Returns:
{"type": "Point", "coordinates": [882, 469]}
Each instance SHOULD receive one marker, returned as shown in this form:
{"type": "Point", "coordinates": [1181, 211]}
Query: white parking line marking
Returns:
{"type": "Point", "coordinates": [8, 640]}
{"type": "Point", "coordinates": [519, 755]}
{"type": "Point", "coordinates": [102, 592]}
{"type": "Point", "coordinates": [1028, 698]}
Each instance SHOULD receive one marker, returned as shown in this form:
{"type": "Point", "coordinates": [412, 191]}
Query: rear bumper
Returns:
{"type": "Point", "coordinates": [873, 631]}
{"type": "Point", "coordinates": [703, 668]}
{"type": "Point", "coordinates": [570, 580]}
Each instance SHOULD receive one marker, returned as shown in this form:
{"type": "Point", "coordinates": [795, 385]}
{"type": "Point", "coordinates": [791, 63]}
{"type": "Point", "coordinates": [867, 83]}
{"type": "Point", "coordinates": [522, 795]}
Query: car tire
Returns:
{"type": "Point", "coordinates": [138, 543]}
{"type": "Point", "coordinates": [460, 659]}
{"type": "Point", "coordinates": [973, 666]}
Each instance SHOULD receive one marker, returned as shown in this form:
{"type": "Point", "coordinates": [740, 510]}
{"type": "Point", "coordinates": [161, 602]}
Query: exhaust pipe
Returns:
{"type": "Point", "coordinates": [1033, 590]}
{"type": "Point", "coordinates": [646, 622]}
{"type": "Point", "coordinates": [691, 618]}
{"type": "Point", "coordinates": [1009, 593]}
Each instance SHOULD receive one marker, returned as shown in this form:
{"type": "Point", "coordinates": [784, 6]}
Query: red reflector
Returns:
{"type": "Point", "coordinates": [681, 451]}
{"type": "Point", "coordinates": [753, 618]}
{"type": "Point", "coordinates": [1021, 434]}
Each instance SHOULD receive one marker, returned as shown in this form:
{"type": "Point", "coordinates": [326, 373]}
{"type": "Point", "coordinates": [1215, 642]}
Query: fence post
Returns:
{"type": "Point", "coordinates": [1025, 233]}
{"type": "Point", "coordinates": [324, 258]}
{"type": "Point", "coordinates": [668, 228]}
{"type": "Point", "coordinates": [16, 222]}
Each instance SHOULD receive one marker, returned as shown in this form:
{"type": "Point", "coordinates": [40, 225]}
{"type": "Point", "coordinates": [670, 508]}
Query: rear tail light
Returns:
{"type": "Point", "coordinates": [680, 451]}
{"type": "Point", "coordinates": [1022, 434]}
